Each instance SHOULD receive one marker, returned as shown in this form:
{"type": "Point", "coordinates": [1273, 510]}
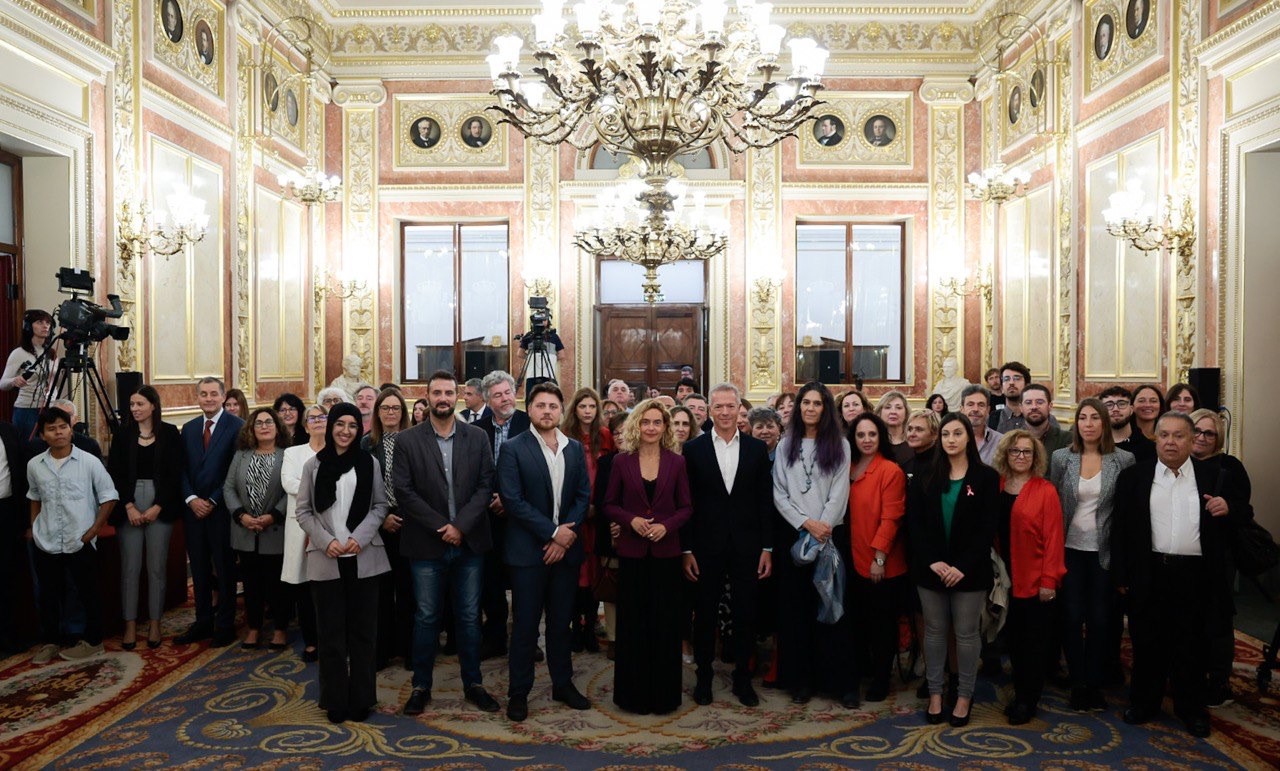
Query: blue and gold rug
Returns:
{"type": "Point", "coordinates": [199, 708]}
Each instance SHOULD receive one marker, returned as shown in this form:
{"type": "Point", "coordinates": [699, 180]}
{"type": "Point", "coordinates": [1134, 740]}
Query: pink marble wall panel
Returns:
{"type": "Point", "coordinates": [95, 24]}
{"type": "Point", "coordinates": [202, 100]}
{"type": "Point", "coordinates": [1217, 19]}
{"type": "Point", "coordinates": [1212, 112]}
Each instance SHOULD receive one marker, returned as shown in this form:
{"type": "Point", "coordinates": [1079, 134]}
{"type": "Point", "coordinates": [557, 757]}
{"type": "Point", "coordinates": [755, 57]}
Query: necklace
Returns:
{"type": "Point", "coordinates": [808, 468]}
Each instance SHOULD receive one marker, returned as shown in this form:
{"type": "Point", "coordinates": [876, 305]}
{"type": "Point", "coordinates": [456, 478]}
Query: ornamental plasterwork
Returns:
{"type": "Point", "coordinates": [1026, 98]}
{"type": "Point", "coordinates": [1187, 175]}
{"type": "Point", "coordinates": [124, 145]}
{"type": "Point", "coordinates": [881, 37]}
{"type": "Point", "coordinates": [451, 113]}
{"type": "Point", "coordinates": [241, 279]}
{"type": "Point", "coordinates": [541, 236]}
{"type": "Point", "coordinates": [1124, 52]}
{"type": "Point", "coordinates": [198, 18]}
{"type": "Point", "coordinates": [467, 40]}
{"type": "Point", "coordinates": [764, 296]}
{"type": "Point", "coordinates": [359, 238]}
{"type": "Point", "coordinates": [1064, 175]}
{"type": "Point", "coordinates": [854, 113]}
{"type": "Point", "coordinates": [85, 8]}
{"type": "Point", "coordinates": [284, 101]}
{"type": "Point", "coordinates": [946, 99]}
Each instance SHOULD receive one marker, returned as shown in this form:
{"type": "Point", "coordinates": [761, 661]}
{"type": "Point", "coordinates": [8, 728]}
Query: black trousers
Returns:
{"type": "Point", "coordinates": [811, 654]}
{"type": "Point", "coordinates": [549, 588]}
{"type": "Point", "coordinates": [263, 588]}
{"type": "Point", "coordinates": [347, 623]}
{"type": "Point", "coordinates": [740, 571]}
{"type": "Point", "coordinates": [396, 604]}
{"type": "Point", "coordinates": [1030, 626]}
{"type": "Point", "coordinates": [299, 596]}
{"type": "Point", "coordinates": [647, 670]}
{"type": "Point", "coordinates": [1170, 637]}
{"type": "Point", "coordinates": [875, 608]}
{"type": "Point", "coordinates": [493, 592]}
{"type": "Point", "coordinates": [53, 571]}
{"type": "Point", "coordinates": [13, 521]}
{"type": "Point", "coordinates": [209, 549]}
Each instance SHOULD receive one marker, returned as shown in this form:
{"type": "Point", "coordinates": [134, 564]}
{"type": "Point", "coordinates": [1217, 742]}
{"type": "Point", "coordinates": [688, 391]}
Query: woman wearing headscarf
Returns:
{"type": "Point", "coordinates": [342, 501]}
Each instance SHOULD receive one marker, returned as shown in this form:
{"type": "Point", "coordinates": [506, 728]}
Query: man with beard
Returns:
{"type": "Point", "coordinates": [1119, 403]}
{"type": "Point", "coordinates": [975, 404]}
{"type": "Point", "coordinates": [1036, 406]}
{"type": "Point", "coordinates": [1014, 377]}
{"type": "Point", "coordinates": [366, 395]}
{"type": "Point", "coordinates": [504, 422]}
{"type": "Point", "coordinates": [542, 478]}
{"type": "Point", "coordinates": [443, 478]}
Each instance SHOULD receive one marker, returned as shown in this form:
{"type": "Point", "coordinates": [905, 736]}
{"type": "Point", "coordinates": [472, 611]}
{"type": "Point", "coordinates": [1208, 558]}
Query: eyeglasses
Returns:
{"type": "Point", "coordinates": [389, 408]}
{"type": "Point", "coordinates": [317, 418]}
{"type": "Point", "coordinates": [287, 408]}
{"type": "Point", "coordinates": [1206, 433]}
{"type": "Point", "coordinates": [1027, 453]}
{"type": "Point", "coordinates": [1118, 404]}
{"type": "Point", "coordinates": [264, 423]}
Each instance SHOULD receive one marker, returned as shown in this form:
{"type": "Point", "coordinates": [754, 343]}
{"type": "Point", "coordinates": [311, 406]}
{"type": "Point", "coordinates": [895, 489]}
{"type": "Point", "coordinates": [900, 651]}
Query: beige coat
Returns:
{"type": "Point", "coordinates": [372, 559]}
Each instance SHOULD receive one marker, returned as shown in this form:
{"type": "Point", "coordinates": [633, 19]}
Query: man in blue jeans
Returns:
{"type": "Point", "coordinates": [443, 478]}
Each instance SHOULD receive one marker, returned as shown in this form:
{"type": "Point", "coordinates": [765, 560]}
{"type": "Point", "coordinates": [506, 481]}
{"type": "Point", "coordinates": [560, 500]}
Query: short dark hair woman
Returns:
{"type": "Point", "coordinates": [290, 409]}
{"type": "Point", "coordinates": [811, 492]}
{"type": "Point", "coordinates": [342, 501]}
{"type": "Point", "coordinates": [1183, 398]}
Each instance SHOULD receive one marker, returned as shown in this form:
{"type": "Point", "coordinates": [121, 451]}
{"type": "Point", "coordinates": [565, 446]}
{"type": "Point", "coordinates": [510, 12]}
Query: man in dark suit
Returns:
{"type": "Point", "coordinates": [1170, 538]}
{"type": "Point", "coordinates": [209, 441]}
{"type": "Point", "coordinates": [473, 396]}
{"type": "Point", "coordinates": [443, 478]}
{"type": "Point", "coordinates": [504, 422]}
{"type": "Point", "coordinates": [545, 490]}
{"type": "Point", "coordinates": [13, 525]}
{"type": "Point", "coordinates": [730, 534]}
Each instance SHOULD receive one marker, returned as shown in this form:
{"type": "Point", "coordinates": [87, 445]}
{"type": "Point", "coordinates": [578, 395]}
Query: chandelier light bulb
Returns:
{"type": "Point", "coordinates": [588, 15]}
{"type": "Point", "coordinates": [648, 14]}
{"type": "Point", "coordinates": [509, 51]}
{"type": "Point", "coordinates": [770, 39]}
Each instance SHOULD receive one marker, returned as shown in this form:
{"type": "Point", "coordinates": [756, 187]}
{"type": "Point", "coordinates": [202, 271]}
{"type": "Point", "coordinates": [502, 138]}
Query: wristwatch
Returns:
{"type": "Point", "coordinates": [879, 561]}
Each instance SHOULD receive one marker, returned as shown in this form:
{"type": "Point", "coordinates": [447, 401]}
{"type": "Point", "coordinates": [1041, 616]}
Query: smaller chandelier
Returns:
{"type": "Point", "coordinates": [647, 223]}
{"type": "Point", "coordinates": [997, 185]}
{"type": "Point", "coordinates": [310, 186]}
{"type": "Point", "coordinates": [1130, 218]}
{"type": "Point", "coordinates": [140, 230]}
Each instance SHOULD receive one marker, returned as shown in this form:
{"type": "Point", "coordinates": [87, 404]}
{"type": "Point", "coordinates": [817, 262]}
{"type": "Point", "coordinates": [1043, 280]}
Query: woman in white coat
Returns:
{"type": "Point", "coordinates": [294, 574]}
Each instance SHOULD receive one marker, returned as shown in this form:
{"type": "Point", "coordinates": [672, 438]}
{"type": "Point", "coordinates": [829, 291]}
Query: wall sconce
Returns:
{"type": "Point", "coordinates": [137, 234]}
{"type": "Point", "coordinates": [997, 185]}
{"type": "Point", "coordinates": [334, 287]}
{"type": "Point", "coordinates": [1129, 218]}
{"type": "Point", "coordinates": [977, 284]}
{"type": "Point", "coordinates": [310, 186]}
{"type": "Point", "coordinates": [765, 287]}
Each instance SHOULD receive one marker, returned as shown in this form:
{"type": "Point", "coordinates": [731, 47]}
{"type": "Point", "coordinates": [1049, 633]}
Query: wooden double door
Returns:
{"type": "Point", "coordinates": [647, 344]}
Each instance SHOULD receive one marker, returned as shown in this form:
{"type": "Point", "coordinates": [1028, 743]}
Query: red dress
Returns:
{"type": "Point", "coordinates": [587, 533]}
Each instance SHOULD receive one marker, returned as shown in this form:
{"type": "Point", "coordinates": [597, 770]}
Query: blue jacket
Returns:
{"type": "Point", "coordinates": [206, 470]}
{"type": "Point", "coordinates": [524, 484]}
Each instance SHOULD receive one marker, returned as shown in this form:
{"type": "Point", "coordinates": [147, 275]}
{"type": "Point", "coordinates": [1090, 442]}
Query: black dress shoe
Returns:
{"type": "Point", "coordinates": [1019, 713]}
{"type": "Point", "coordinates": [478, 696]}
{"type": "Point", "coordinates": [417, 703]}
{"type": "Point", "coordinates": [336, 716]}
{"type": "Point", "coordinates": [933, 718]}
{"type": "Point", "coordinates": [801, 695]}
{"type": "Point", "coordinates": [1197, 725]}
{"type": "Point", "coordinates": [746, 694]}
{"type": "Point", "coordinates": [569, 696]}
{"type": "Point", "coordinates": [153, 644]}
{"type": "Point", "coordinates": [850, 700]}
{"type": "Point", "coordinates": [702, 694]}
{"type": "Point", "coordinates": [249, 646]}
{"type": "Point", "coordinates": [222, 638]}
{"type": "Point", "coordinates": [194, 634]}
{"type": "Point", "coordinates": [1137, 715]}
{"type": "Point", "coordinates": [517, 708]}
{"type": "Point", "coordinates": [360, 715]}
{"type": "Point", "coordinates": [959, 722]}
{"type": "Point", "coordinates": [128, 646]}
{"type": "Point", "coordinates": [539, 656]}
{"type": "Point", "coordinates": [277, 646]}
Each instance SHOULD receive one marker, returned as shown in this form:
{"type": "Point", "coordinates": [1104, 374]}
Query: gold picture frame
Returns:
{"type": "Point", "coordinates": [859, 129]}
{"type": "Point", "coordinates": [188, 36]}
{"type": "Point", "coordinates": [452, 147]}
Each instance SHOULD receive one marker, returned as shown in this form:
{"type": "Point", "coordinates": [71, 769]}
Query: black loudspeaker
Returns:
{"type": "Point", "coordinates": [828, 367]}
{"type": "Point", "coordinates": [473, 365]}
{"type": "Point", "coordinates": [127, 384]}
{"type": "Point", "coordinates": [1208, 382]}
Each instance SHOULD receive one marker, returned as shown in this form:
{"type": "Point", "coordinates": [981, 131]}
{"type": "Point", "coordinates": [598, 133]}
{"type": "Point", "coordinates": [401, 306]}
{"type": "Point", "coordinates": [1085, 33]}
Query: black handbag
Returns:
{"type": "Point", "coordinates": [1254, 550]}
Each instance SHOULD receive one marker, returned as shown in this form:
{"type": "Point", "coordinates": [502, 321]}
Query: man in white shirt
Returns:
{"type": "Point", "coordinates": [545, 490]}
{"type": "Point", "coordinates": [1170, 538]}
{"type": "Point", "coordinates": [71, 497]}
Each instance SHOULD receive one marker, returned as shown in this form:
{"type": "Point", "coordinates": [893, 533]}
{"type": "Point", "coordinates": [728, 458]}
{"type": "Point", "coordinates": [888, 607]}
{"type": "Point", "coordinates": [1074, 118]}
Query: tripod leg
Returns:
{"type": "Point", "coordinates": [99, 388]}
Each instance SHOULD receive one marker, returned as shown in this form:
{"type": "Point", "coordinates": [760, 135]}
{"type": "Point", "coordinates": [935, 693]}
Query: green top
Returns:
{"type": "Point", "coordinates": [949, 497]}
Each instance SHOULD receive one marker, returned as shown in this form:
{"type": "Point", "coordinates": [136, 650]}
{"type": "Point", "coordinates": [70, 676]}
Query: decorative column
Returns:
{"type": "Point", "coordinates": [359, 100]}
{"type": "Point", "coordinates": [247, 25]}
{"type": "Point", "coordinates": [1064, 175]}
{"type": "Point", "coordinates": [541, 263]}
{"type": "Point", "coordinates": [946, 98]}
{"type": "Point", "coordinates": [1185, 106]}
{"type": "Point", "coordinates": [125, 146]}
{"type": "Point", "coordinates": [764, 274]}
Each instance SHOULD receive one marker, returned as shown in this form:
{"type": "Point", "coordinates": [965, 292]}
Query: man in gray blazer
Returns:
{"type": "Point", "coordinates": [443, 478]}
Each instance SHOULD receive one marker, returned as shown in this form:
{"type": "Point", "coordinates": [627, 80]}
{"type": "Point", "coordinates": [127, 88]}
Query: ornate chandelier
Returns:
{"type": "Point", "coordinates": [997, 184]}
{"type": "Point", "coordinates": [655, 79]}
{"type": "Point", "coordinates": [311, 185]}
{"type": "Point", "coordinates": [644, 222]}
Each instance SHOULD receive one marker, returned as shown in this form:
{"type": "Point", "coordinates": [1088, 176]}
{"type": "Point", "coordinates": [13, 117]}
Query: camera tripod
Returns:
{"type": "Point", "coordinates": [537, 360]}
{"type": "Point", "coordinates": [78, 362]}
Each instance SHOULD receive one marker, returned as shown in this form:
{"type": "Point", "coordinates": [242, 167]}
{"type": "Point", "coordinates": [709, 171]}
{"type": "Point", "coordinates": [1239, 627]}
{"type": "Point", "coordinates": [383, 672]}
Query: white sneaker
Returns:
{"type": "Point", "coordinates": [45, 654]}
{"type": "Point", "coordinates": [80, 651]}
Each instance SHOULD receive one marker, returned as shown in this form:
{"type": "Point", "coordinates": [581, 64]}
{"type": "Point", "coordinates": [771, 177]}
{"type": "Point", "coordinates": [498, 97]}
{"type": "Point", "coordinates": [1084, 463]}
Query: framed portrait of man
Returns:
{"type": "Point", "coordinates": [204, 42]}
{"type": "Point", "coordinates": [829, 130]}
{"type": "Point", "coordinates": [425, 132]}
{"type": "Point", "coordinates": [171, 20]}
{"type": "Point", "coordinates": [291, 107]}
{"type": "Point", "coordinates": [476, 131]}
{"type": "Point", "coordinates": [1035, 94]}
{"type": "Point", "coordinates": [1015, 104]}
{"type": "Point", "coordinates": [271, 91]}
{"type": "Point", "coordinates": [1104, 37]}
{"type": "Point", "coordinates": [1135, 18]}
{"type": "Point", "coordinates": [880, 131]}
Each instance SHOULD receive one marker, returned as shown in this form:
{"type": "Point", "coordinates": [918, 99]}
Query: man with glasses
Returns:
{"type": "Point", "coordinates": [1014, 378]}
{"type": "Point", "coordinates": [1119, 403]}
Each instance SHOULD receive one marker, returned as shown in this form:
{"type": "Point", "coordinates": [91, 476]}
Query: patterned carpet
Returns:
{"type": "Point", "coordinates": [198, 708]}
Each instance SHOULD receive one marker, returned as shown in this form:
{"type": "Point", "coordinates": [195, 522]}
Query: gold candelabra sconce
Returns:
{"type": "Point", "coordinates": [1130, 219]}
{"type": "Point", "coordinates": [140, 230]}
{"type": "Point", "coordinates": [977, 284]}
{"type": "Point", "coordinates": [327, 285]}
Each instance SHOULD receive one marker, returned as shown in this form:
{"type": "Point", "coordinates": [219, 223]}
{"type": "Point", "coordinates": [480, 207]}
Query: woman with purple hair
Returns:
{"type": "Point", "coordinates": [811, 493]}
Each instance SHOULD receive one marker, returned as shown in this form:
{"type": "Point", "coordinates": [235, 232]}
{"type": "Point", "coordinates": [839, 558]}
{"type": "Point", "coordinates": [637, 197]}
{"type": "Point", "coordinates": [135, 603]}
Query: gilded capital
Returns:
{"type": "Point", "coordinates": [946, 91]}
{"type": "Point", "coordinates": [359, 94]}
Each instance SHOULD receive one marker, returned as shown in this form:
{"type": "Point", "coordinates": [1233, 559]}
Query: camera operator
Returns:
{"type": "Point", "coordinates": [541, 337]}
{"type": "Point", "coordinates": [31, 381]}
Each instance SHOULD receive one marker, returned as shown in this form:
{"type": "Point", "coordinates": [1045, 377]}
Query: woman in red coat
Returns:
{"type": "Point", "coordinates": [1029, 537]}
{"type": "Point", "coordinates": [648, 497]}
{"type": "Point", "coordinates": [583, 421]}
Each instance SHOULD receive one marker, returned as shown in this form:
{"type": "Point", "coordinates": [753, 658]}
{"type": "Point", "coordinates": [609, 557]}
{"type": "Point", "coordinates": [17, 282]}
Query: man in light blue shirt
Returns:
{"type": "Point", "coordinates": [71, 497]}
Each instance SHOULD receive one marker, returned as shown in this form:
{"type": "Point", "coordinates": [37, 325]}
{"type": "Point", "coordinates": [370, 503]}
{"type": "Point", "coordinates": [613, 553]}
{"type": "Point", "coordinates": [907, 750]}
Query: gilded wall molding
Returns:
{"type": "Point", "coordinates": [1064, 175]}
{"type": "Point", "coordinates": [1186, 171]}
{"type": "Point", "coordinates": [243, 207]}
{"type": "Point", "coordinates": [946, 100]}
{"type": "Point", "coordinates": [541, 222]}
{"type": "Point", "coordinates": [359, 102]}
{"type": "Point", "coordinates": [764, 266]}
{"type": "Point", "coordinates": [125, 119]}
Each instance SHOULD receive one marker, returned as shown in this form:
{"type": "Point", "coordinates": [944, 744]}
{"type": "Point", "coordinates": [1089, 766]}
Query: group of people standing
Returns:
{"type": "Point", "coordinates": [820, 518]}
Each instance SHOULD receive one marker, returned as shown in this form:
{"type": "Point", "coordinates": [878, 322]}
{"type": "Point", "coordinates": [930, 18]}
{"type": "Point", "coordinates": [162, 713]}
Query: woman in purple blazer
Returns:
{"type": "Point", "coordinates": [648, 496]}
